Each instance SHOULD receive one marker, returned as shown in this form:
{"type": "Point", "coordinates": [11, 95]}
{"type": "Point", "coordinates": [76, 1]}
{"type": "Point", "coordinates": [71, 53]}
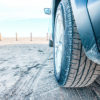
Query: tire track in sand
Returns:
{"type": "Point", "coordinates": [23, 85]}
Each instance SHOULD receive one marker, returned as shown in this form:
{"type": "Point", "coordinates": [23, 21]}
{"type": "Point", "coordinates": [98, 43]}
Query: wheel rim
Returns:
{"type": "Point", "coordinates": [59, 30]}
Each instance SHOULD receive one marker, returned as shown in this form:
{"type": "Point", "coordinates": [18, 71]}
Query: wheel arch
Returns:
{"type": "Point", "coordinates": [85, 29]}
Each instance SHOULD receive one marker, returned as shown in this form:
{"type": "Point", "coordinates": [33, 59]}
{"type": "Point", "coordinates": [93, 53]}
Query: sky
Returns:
{"type": "Point", "coordinates": [23, 17]}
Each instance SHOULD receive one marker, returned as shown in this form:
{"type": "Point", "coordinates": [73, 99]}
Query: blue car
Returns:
{"type": "Point", "coordinates": [76, 41]}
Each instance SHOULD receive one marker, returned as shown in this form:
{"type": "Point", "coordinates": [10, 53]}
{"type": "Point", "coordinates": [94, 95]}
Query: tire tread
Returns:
{"type": "Point", "coordinates": [84, 69]}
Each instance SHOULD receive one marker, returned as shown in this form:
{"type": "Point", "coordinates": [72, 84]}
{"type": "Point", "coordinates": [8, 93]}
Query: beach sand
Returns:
{"type": "Point", "coordinates": [27, 73]}
{"type": "Point", "coordinates": [35, 40]}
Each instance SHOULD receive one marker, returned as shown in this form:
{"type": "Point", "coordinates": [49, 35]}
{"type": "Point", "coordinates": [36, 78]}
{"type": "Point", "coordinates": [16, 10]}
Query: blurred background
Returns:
{"type": "Point", "coordinates": [24, 17]}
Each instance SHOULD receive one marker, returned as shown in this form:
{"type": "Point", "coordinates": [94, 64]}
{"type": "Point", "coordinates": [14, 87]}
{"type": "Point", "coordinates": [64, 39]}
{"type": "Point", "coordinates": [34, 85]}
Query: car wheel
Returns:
{"type": "Point", "coordinates": [71, 66]}
{"type": "Point", "coordinates": [50, 43]}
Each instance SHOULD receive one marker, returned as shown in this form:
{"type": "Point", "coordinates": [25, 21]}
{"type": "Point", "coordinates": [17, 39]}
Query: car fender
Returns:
{"type": "Point", "coordinates": [84, 27]}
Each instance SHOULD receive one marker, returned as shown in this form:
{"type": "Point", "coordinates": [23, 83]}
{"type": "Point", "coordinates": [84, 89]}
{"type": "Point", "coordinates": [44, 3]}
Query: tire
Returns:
{"type": "Point", "coordinates": [50, 43]}
{"type": "Point", "coordinates": [71, 66]}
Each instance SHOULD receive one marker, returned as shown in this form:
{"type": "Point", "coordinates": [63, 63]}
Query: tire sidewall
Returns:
{"type": "Point", "coordinates": [67, 47]}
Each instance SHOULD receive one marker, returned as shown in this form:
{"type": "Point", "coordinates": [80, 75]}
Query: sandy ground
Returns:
{"type": "Point", "coordinates": [26, 73]}
{"type": "Point", "coordinates": [35, 40]}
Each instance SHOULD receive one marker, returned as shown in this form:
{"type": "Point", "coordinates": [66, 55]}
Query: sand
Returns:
{"type": "Point", "coordinates": [27, 73]}
{"type": "Point", "coordinates": [35, 40]}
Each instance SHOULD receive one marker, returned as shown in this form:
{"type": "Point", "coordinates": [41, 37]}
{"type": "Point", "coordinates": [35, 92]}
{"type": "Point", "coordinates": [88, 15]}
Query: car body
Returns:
{"type": "Point", "coordinates": [87, 16]}
{"type": "Point", "coordinates": [76, 39]}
